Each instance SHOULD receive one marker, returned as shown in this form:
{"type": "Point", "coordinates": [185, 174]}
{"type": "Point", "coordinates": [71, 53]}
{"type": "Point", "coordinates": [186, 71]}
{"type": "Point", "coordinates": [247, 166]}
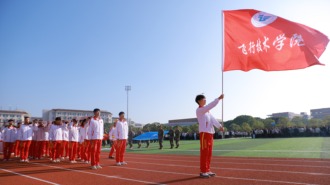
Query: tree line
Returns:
{"type": "Point", "coordinates": [242, 123]}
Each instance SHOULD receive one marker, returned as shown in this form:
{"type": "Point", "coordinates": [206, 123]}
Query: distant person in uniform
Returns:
{"type": "Point", "coordinates": [130, 138]}
{"type": "Point", "coordinates": [148, 143]}
{"type": "Point", "coordinates": [206, 129]}
{"type": "Point", "coordinates": [177, 137]}
{"type": "Point", "coordinates": [171, 137]}
{"type": "Point", "coordinates": [139, 144]}
{"type": "Point", "coordinates": [160, 137]}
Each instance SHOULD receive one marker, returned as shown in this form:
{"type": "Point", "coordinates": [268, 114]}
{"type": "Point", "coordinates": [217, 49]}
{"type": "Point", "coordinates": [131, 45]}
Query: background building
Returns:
{"type": "Point", "coordinates": [68, 114]}
{"type": "Point", "coordinates": [289, 115]}
{"type": "Point", "coordinates": [131, 123]}
{"type": "Point", "coordinates": [320, 113]}
{"type": "Point", "coordinates": [17, 115]}
{"type": "Point", "coordinates": [304, 115]}
{"type": "Point", "coordinates": [184, 122]}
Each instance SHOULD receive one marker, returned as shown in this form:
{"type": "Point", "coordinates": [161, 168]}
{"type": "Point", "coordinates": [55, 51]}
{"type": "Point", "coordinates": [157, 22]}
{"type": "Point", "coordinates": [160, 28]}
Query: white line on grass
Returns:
{"type": "Point", "coordinates": [102, 175]}
{"type": "Point", "coordinates": [30, 177]}
{"type": "Point", "coordinates": [223, 177]}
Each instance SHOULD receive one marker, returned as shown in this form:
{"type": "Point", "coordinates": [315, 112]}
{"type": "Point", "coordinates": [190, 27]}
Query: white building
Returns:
{"type": "Point", "coordinates": [68, 114]}
{"type": "Point", "coordinates": [17, 115]}
{"type": "Point", "coordinates": [131, 123]}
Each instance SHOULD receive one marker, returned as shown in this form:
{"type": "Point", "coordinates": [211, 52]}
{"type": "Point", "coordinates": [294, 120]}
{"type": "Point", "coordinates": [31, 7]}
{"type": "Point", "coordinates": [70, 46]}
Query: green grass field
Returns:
{"type": "Point", "coordinates": [308, 147]}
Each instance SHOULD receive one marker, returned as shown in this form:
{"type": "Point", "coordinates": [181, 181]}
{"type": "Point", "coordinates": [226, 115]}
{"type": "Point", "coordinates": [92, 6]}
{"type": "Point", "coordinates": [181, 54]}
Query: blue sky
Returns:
{"type": "Point", "coordinates": [81, 54]}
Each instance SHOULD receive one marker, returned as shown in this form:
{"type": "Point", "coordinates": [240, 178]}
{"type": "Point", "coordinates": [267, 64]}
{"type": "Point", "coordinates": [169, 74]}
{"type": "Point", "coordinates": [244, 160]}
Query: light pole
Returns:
{"type": "Point", "coordinates": [127, 89]}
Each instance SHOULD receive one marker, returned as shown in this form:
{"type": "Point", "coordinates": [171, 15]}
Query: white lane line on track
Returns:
{"type": "Point", "coordinates": [281, 151]}
{"type": "Point", "coordinates": [236, 169]}
{"type": "Point", "coordinates": [238, 150]}
{"type": "Point", "coordinates": [268, 159]}
{"type": "Point", "coordinates": [240, 169]}
{"type": "Point", "coordinates": [102, 175]}
{"type": "Point", "coordinates": [222, 177]}
{"type": "Point", "coordinates": [30, 177]}
{"type": "Point", "coordinates": [263, 164]}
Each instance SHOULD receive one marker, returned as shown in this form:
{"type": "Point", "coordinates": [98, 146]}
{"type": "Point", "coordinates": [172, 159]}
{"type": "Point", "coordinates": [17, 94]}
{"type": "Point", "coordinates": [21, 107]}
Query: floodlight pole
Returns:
{"type": "Point", "coordinates": [127, 89]}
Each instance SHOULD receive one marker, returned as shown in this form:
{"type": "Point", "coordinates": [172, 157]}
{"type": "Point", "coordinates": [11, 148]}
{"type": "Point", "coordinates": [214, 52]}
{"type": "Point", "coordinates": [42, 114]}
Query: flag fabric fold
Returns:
{"type": "Point", "coordinates": [258, 40]}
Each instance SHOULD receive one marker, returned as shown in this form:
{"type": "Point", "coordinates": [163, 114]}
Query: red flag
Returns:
{"type": "Point", "coordinates": [258, 40]}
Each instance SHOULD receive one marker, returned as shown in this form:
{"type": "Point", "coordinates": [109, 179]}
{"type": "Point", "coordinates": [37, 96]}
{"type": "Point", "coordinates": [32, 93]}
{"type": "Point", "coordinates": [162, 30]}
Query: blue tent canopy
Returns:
{"type": "Point", "coordinates": [148, 136]}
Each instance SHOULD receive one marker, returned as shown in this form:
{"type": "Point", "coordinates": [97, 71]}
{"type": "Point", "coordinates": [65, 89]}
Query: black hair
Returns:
{"type": "Point", "coordinates": [199, 97]}
{"type": "Point", "coordinates": [58, 119]}
{"type": "Point", "coordinates": [96, 110]}
{"type": "Point", "coordinates": [120, 113]}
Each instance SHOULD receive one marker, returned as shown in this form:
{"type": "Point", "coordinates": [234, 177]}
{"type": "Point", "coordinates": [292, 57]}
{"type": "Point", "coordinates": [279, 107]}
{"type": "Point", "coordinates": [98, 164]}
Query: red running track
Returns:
{"type": "Point", "coordinates": [169, 169]}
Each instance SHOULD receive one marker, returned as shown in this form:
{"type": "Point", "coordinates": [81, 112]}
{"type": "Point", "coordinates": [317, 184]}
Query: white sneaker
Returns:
{"type": "Point", "coordinates": [204, 175]}
{"type": "Point", "coordinates": [211, 174]}
{"type": "Point", "coordinates": [58, 160]}
{"type": "Point", "coordinates": [71, 162]}
{"type": "Point", "coordinates": [87, 162]}
{"type": "Point", "coordinates": [123, 163]}
{"type": "Point", "coordinates": [22, 161]}
{"type": "Point", "coordinates": [118, 164]}
{"type": "Point", "coordinates": [27, 161]}
{"type": "Point", "coordinates": [62, 158]}
{"type": "Point", "coordinates": [83, 161]}
{"type": "Point", "coordinates": [99, 166]}
{"type": "Point", "coordinates": [94, 168]}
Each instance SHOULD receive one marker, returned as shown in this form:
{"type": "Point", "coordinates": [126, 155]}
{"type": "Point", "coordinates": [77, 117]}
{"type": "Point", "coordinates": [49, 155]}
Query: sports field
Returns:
{"type": "Point", "coordinates": [298, 161]}
{"type": "Point", "coordinates": [306, 147]}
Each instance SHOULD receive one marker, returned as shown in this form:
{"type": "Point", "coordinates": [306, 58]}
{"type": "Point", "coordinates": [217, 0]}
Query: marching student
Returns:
{"type": "Point", "coordinates": [33, 146]}
{"type": "Point", "coordinates": [39, 147]}
{"type": "Point", "coordinates": [65, 141]}
{"type": "Point", "coordinates": [206, 130]}
{"type": "Point", "coordinates": [1, 142]}
{"type": "Point", "coordinates": [87, 143]}
{"type": "Point", "coordinates": [25, 134]}
{"type": "Point", "coordinates": [9, 137]}
{"type": "Point", "coordinates": [113, 139]}
{"type": "Point", "coordinates": [45, 141]}
{"type": "Point", "coordinates": [73, 140]}
{"type": "Point", "coordinates": [56, 137]}
{"type": "Point", "coordinates": [95, 134]}
{"type": "Point", "coordinates": [50, 141]}
{"type": "Point", "coordinates": [79, 141]}
{"type": "Point", "coordinates": [82, 137]}
{"type": "Point", "coordinates": [17, 142]}
{"type": "Point", "coordinates": [122, 135]}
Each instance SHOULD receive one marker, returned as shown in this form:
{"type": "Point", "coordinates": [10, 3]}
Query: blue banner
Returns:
{"type": "Point", "coordinates": [148, 136]}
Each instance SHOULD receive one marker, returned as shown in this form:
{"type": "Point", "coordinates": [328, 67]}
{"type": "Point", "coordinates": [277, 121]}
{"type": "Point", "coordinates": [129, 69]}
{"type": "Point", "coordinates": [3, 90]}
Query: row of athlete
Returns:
{"type": "Point", "coordinates": [78, 139]}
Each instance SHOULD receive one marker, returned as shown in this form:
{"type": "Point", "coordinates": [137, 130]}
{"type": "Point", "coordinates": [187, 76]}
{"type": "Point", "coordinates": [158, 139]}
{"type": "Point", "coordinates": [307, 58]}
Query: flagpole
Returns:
{"type": "Point", "coordinates": [222, 55]}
